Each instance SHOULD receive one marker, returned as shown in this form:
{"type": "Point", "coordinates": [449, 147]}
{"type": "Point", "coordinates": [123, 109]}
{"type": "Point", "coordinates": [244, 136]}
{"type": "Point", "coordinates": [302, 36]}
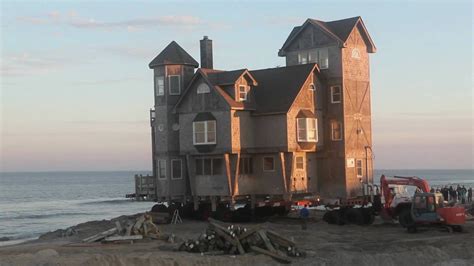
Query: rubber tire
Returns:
{"type": "Point", "coordinates": [405, 219]}
{"type": "Point", "coordinates": [329, 217]}
{"type": "Point", "coordinates": [339, 217]}
{"type": "Point", "coordinates": [354, 216]}
{"type": "Point", "coordinates": [457, 228]}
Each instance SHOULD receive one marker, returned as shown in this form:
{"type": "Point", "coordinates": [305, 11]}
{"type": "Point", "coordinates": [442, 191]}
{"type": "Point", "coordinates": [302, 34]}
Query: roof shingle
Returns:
{"type": "Point", "coordinates": [278, 87]}
{"type": "Point", "coordinates": [173, 54]}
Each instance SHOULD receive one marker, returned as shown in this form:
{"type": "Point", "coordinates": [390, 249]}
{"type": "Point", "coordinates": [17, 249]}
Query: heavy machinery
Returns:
{"type": "Point", "coordinates": [362, 210]}
{"type": "Point", "coordinates": [424, 209]}
{"type": "Point", "coordinates": [429, 209]}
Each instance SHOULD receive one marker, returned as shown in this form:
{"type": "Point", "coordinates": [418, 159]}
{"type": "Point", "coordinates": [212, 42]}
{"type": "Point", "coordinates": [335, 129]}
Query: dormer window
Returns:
{"type": "Point", "coordinates": [203, 88]}
{"type": "Point", "coordinates": [174, 82]}
{"type": "Point", "coordinates": [242, 93]}
{"type": "Point", "coordinates": [319, 56]}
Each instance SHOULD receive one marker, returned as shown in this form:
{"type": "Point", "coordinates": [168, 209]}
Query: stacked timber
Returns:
{"type": "Point", "coordinates": [230, 239]}
{"type": "Point", "coordinates": [142, 227]}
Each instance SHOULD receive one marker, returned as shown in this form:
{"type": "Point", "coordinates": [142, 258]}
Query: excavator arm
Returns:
{"type": "Point", "coordinates": [400, 180]}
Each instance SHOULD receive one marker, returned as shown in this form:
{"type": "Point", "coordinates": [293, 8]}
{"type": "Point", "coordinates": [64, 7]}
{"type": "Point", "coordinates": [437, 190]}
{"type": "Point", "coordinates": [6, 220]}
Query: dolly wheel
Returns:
{"type": "Point", "coordinates": [457, 228]}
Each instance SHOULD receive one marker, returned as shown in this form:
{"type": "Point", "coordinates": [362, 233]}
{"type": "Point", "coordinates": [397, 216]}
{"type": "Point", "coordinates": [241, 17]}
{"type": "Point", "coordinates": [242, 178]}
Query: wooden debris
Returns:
{"type": "Point", "coordinates": [271, 254]}
{"type": "Point", "coordinates": [122, 238]}
{"type": "Point", "coordinates": [143, 227]}
{"type": "Point", "coordinates": [221, 238]}
{"type": "Point", "coordinates": [100, 236]}
{"type": "Point", "coordinates": [265, 239]}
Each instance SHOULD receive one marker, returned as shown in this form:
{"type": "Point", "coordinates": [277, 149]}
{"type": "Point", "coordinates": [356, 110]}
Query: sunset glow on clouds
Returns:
{"type": "Point", "coordinates": [76, 88]}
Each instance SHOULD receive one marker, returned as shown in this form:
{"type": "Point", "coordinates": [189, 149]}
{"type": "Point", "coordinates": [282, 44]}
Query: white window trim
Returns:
{"type": "Point", "coordinates": [179, 84]}
{"type": "Point", "coordinates": [180, 165]}
{"type": "Point", "coordinates": [263, 163]}
{"type": "Point", "coordinates": [159, 168]}
{"type": "Point", "coordinates": [206, 142]}
{"type": "Point", "coordinates": [157, 87]}
{"type": "Point", "coordinates": [332, 130]}
{"type": "Point", "coordinates": [332, 94]}
{"type": "Point", "coordinates": [312, 87]}
{"type": "Point", "coordinates": [296, 162]}
{"type": "Point", "coordinates": [361, 168]}
{"type": "Point", "coordinates": [306, 129]}
{"type": "Point", "coordinates": [244, 92]}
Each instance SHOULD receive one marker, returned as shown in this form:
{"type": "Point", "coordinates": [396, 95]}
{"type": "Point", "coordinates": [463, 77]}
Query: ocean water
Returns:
{"type": "Point", "coordinates": [34, 203]}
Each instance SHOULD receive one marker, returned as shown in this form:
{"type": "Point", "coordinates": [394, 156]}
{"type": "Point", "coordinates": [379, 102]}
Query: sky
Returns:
{"type": "Point", "coordinates": [76, 88]}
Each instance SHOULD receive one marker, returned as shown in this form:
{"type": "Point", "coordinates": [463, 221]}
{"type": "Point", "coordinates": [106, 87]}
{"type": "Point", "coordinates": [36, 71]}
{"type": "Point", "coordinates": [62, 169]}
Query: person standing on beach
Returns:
{"type": "Point", "coordinates": [469, 195]}
{"type": "Point", "coordinates": [304, 215]}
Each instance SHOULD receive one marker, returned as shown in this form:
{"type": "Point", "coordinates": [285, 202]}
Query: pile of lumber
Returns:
{"type": "Point", "coordinates": [229, 239]}
{"type": "Point", "coordinates": [143, 227]}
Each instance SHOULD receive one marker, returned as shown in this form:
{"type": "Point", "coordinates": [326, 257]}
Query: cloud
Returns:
{"type": "Point", "coordinates": [24, 64]}
{"type": "Point", "coordinates": [72, 19]}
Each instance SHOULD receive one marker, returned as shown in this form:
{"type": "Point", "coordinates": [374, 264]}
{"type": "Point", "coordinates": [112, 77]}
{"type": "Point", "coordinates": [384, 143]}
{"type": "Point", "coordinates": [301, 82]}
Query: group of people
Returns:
{"type": "Point", "coordinates": [458, 194]}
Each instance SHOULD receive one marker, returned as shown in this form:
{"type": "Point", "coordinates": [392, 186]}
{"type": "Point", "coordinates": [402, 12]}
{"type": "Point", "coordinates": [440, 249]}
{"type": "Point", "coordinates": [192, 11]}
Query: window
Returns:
{"type": "Point", "coordinates": [209, 166]}
{"type": "Point", "coordinates": [336, 131]}
{"type": "Point", "coordinates": [307, 129]}
{"type": "Point", "coordinates": [335, 94]}
{"type": "Point", "coordinates": [319, 56]}
{"type": "Point", "coordinates": [359, 167]}
{"type": "Point", "coordinates": [174, 83]}
{"type": "Point", "coordinates": [176, 169]}
{"type": "Point", "coordinates": [268, 164]}
{"type": "Point", "coordinates": [355, 53]}
{"type": "Point", "coordinates": [323, 58]}
{"type": "Point", "coordinates": [299, 163]}
{"type": "Point", "coordinates": [302, 58]}
{"type": "Point", "coordinates": [245, 166]}
{"type": "Point", "coordinates": [160, 86]}
{"type": "Point", "coordinates": [203, 88]}
{"type": "Point", "coordinates": [242, 93]}
{"type": "Point", "coordinates": [204, 132]}
{"type": "Point", "coordinates": [161, 169]}
{"type": "Point", "coordinates": [312, 87]}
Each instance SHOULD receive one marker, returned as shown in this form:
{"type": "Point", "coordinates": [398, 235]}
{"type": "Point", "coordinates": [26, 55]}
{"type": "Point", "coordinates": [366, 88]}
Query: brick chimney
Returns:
{"type": "Point", "coordinates": [206, 53]}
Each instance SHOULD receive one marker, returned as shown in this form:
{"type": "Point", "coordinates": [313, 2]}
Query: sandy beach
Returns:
{"type": "Point", "coordinates": [378, 244]}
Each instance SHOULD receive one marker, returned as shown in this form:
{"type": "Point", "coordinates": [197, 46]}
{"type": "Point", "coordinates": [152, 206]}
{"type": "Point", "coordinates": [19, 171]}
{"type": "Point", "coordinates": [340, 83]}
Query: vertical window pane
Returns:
{"type": "Point", "coordinates": [336, 130]}
{"type": "Point", "coordinates": [217, 168]}
{"type": "Point", "coordinates": [207, 166]}
{"type": "Point", "coordinates": [211, 131]}
{"type": "Point", "coordinates": [301, 129]}
{"type": "Point", "coordinates": [313, 56]}
{"type": "Point", "coordinates": [174, 83]}
{"type": "Point", "coordinates": [323, 58]}
{"type": "Point", "coordinates": [199, 167]}
{"type": "Point", "coordinates": [299, 163]}
{"type": "Point", "coordinates": [161, 169]}
{"type": "Point", "coordinates": [268, 164]}
{"type": "Point", "coordinates": [176, 168]}
{"type": "Point", "coordinates": [359, 168]}
{"type": "Point", "coordinates": [160, 86]}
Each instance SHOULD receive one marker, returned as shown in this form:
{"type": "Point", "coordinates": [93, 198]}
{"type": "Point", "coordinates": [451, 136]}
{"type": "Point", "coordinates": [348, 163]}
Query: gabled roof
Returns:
{"type": "Point", "coordinates": [204, 73]}
{"type": "Point", "coordinates": [173, 54]}
{"type": "Point", "coordinates": [339, 30]}
{"type": "Point", "coordinates": [278, 87]}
